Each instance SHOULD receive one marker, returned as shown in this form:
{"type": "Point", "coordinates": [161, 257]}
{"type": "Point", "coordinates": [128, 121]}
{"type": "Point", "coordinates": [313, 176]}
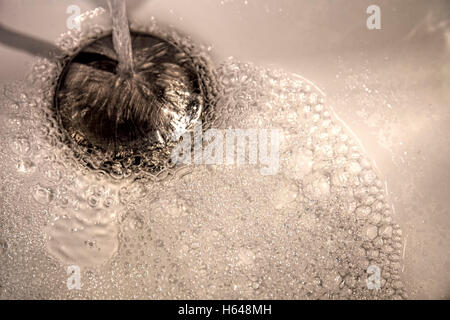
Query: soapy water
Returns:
{"type": "Point", "coordinates": [121, 36]}
{"type": "Point", "coordinates": [204, 231]}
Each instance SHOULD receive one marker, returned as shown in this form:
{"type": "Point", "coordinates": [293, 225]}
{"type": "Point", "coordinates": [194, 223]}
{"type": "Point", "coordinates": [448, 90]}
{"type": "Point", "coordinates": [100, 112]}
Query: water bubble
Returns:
{"type": "Point", "coordinates": [342, 149]}
{"type": "Point", "coordinates": [93, 201]}
{"type": "Point", "coordinates": [363, 212]}
{"type": "Point", "coordinates": [371, 232]}
{"type": "Point", "coordinates": [160, 243]}
{"type": "Point", "coordinates": [108, 202]}
{"type": "Point", "coordinates": [98, 191]}
{"type": "Point", "coordinates": [317, 186]}
{"type": "Point", "coordinates": [300, 163]}
{"type": "Point", "coordinates": [386, 232]}
{"type": "Point", "coordinates": [63, 201]}
{"type": "Point", "coordinates": [318, 108]}
{"type": "Point", "coordinates": [3, 247]}
{"type": "Point", "coordinates": [369, 177]}
{"type": "Point", "coordinates": [245, 257]}
{"type": "Point", "coordinates": [25, 166]}
{"type": "Point", "coordinates": [21, 146]}
{"type": "Point", "coordinates": [90, 243]}
{"type": "Point", "coordinates": [82, 242]}
{"type": "Point", "coordinates": [43, 195]}
{"type": "Point", "coordinates": [335, 130]}
{"type": "Point", "coordinates": [285, 194]}
{"type": "Point", "coordinates": [341, 178]}
{"type": "Point", "coordinates": [288, 251]}
{"type": "Point", "coordinates": [52, 172]}
{"type": "Point", "coordinates": [133, 192]}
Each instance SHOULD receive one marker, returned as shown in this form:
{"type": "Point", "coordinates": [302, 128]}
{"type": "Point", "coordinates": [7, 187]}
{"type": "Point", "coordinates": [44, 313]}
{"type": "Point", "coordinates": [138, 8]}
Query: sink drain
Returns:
{"type": "Point", "coordinates": [119, 123]}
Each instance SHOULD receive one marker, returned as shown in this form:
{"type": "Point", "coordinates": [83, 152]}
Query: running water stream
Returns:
{"type": "Point", "coordinates": [121, 36]}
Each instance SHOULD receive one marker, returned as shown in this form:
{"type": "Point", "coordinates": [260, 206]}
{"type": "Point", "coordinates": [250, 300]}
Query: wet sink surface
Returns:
{"type": "Point", "coordinates": [390, 86]}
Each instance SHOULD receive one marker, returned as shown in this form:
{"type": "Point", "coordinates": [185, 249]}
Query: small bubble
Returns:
{"type": "Point", "coordinates": [130, 193]}
{"type": "Point", "coordinates": [23, 97]}
{"type": "Point", "coordinates": [159, 243]}
{"type": "Point", "coordinates": [285, 194]}
{"type": "Point", "coordinates": [317, 187]}
{"type": "Point", "coordinates": [369, 177]}
{"type": "Point", "coordinates": [108, 202]}
{"type": "Point", "coordinates": [93, 201]}
{"type": "Point", "coordinates": [52, 173]}
{"type": "Point", "coordinates": [90, 243]}
{"type": "Point", "coordinates": [195, 245]}
{"type": "Point", "coordinates": [3, 247]}
{"type": "Point", "coordinates": [300, 162]}
{"type": "Point", "coordinates": [371, 232]}
{"type": "Point", "coordinates": [386, 232]}
{"type": "Point", "coordinates": [313, 98]}
{"type": "Point", "coordinates": [354, 168]}
{"type": "Point", "coordinates": [98, 191]}
{"type": "Point", "coordinates": [21, 146]}
{"type": "Point", "coordinates": [63, 202]}
{"type": "Point", "coordinates": [25, 166]}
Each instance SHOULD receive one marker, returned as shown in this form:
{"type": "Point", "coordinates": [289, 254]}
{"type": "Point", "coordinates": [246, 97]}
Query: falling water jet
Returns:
{"type": "Point", "coordinates": [121, 36]}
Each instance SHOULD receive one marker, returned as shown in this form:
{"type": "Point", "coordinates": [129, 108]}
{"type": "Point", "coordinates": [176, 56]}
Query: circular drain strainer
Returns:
{"type": "Point", "coordinates": [320, 228]}
{"type": "Point", "coordinates": [113, 118]}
